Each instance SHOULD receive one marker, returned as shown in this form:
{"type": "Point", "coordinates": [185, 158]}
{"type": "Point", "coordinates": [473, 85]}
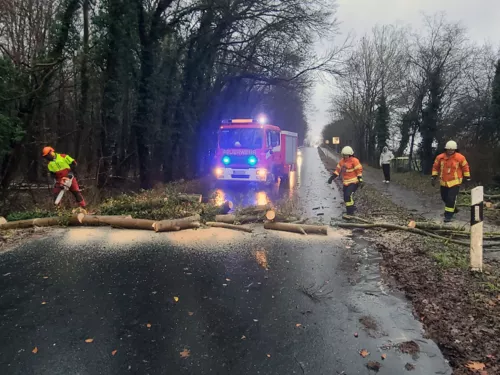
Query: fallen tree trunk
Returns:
{"type": "Point", "coordinates": [297, 228]}
{"type": "Point", "coordinates": [29, 223]}
{"type": "Point", "coordinates": [434, 226]}
{"type": "Point", "coordinates": [177, 224]}
{"type": "Point", "coordinates": [229, 226]}
{"type": "Point", "coordinates": [407, 229]}
{"type": "Point", "coordinates": [486, 196]}
{"type": "Point", "coordinates": [252, 210]}
{"type": "Point", "coordinates": [94, 220]}
{"type": "Point", "coordinates": [228, 219]}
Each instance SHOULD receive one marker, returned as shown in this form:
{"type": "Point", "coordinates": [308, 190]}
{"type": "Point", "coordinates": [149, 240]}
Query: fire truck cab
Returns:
{"type": "Point", "coordinates": [251, 150]}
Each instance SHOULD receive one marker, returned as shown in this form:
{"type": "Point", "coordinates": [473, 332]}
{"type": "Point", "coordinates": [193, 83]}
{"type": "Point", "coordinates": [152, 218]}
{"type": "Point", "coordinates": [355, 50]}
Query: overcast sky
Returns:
{"type": "Point", "coordinates": [359, 16]}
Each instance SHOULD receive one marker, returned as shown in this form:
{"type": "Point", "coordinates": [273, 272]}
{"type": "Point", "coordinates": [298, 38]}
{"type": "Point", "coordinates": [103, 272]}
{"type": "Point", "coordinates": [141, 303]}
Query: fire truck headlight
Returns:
{"type": "Point", "coordinates": [252, 160]}
{"type": "Point", "coordinates": [262, 119]}
{"type": "Point", "coordinates": [262, 173]}
{"type": "Point", "coordinates": [226, 160]}
{"type": "Point", "coordinates": [219, 172]}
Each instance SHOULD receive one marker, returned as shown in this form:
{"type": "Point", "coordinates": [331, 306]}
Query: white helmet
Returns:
{"type": "Point", "coordinates": [347, 150]}
{"type": "Point", "coordinates": [451, 145]}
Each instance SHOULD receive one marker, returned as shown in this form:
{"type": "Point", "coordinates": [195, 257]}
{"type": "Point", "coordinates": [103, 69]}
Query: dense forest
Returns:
{"type": "Point", "coordinates": [414, 89]}
{"type": "Point", "coordinates": [137, 88]}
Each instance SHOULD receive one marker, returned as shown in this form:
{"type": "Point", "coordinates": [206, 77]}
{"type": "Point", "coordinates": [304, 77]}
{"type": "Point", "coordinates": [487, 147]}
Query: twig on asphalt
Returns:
{"type": "Point", "coordinates": [300, 364]}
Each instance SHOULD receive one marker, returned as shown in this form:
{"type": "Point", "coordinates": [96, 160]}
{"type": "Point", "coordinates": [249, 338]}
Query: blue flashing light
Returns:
{"type": "Point", "coordinates": [252, 160]}
{"type": "Point", "coordinates": [226, 160]}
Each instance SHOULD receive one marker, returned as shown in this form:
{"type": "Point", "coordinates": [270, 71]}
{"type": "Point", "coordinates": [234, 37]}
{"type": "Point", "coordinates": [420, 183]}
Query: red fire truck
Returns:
{"type": "Point", "coordinates": [253, 150]}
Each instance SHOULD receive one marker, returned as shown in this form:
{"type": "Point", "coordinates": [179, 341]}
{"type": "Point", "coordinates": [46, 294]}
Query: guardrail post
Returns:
{"type": "Point", "coordinates": [476, 229]}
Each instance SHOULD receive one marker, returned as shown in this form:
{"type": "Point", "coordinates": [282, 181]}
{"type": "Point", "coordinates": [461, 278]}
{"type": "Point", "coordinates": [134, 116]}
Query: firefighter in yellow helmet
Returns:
{"type": "Point", "coordinates": [351, 171]}
{"type": "Point", "coordinates": [452, 168]}
{"type": "Point", "coordinates": [61, 168]}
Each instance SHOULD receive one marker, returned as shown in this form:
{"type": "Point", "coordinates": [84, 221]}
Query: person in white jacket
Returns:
{"type": "Point", "coordinates": [385, 162]}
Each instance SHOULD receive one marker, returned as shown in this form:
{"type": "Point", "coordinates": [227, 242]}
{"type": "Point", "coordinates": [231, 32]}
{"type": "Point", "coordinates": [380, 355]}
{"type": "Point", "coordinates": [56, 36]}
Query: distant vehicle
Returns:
{"type": "Point", "coordinates": [253, 150]}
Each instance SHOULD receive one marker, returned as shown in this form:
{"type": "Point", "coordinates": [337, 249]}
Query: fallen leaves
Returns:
{"type": "Point", "coordinates": [114, 352]}
{"type": "Point", "coordinates": [475, 366]}
{"type": "Point", "coordinates": [45, 277]}
{"type": "Point", "coordinates": [35, 350]}
{"type": "Point", "coordinates": [44, 303]}
{"type": "Point", "coordinates": [148, 325]}
{"type": "Point", "coordinates": [383, 356]}
{"type": "Point", "coordinates": [185, 353]}
{"type": "Point", "coordinates": [228, 279]}
{"type": "Point", "coordinates": [88, 341]}
{"type": "Point", "coordinates": [364, 353]}
{"type": "Point", "coordinates": [374, 365]}
{"type": "Point", "coordinates": [176, 299]}
{"type": "Point", "coordinates": [356, 334]}
{"type": "Point", "coordinates": [298, 325]}
{"type": "Point", "coordinates": [261, 258]}
{"type": "Point", "coordinates": [243, 337]}
{"type": "Point", "coordinates": [409, 367]}
{"type": "Point", "coordinates": [190, 313]}
{"type": "Point", "coordinates": [268, 355]}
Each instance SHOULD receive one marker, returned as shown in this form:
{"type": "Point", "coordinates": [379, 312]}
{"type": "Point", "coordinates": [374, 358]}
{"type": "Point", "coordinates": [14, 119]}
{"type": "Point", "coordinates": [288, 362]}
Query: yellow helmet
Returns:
{"type": "Point", "coordinates": [451, 145]}
{"type": "Point", "coordinates": [347, 150]}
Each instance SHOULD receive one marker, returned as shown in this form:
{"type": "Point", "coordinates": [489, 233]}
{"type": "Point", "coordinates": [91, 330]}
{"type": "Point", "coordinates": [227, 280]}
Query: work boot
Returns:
{"type": "Point", "coordinates": [350, 210]}
{"type": "Point", "coordinates": [448, 217]}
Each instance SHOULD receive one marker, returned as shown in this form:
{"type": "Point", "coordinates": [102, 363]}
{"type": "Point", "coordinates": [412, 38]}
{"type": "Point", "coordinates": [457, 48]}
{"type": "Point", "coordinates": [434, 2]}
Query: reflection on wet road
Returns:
{"type": "Point", "coordinates": [108, 301]}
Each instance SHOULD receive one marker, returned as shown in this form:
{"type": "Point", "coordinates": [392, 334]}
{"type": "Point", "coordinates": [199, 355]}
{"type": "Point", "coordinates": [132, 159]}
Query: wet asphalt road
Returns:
{"type": "Point", "coordinates": [201, 302]}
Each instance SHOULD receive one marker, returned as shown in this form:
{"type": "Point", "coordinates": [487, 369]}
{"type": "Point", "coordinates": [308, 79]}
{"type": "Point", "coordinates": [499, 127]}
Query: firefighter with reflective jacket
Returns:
{"type": "Point", "coordinates": [351, 171]}
{"type": "Point", "coordinates": [451, 167]}
{"type": "Point", "coordinates": [62, 167]}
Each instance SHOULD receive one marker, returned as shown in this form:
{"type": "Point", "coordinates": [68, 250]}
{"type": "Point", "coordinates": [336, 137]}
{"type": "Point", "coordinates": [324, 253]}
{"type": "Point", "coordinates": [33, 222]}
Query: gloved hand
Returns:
{"type": "Point", "coordinates": [332, 177]}
{"type": "Point", "coordinates": [71, 175]}
{"type": "Point", "coordinates": [360, 182]}
{"type": "Point", "coordinates": [433, 181]}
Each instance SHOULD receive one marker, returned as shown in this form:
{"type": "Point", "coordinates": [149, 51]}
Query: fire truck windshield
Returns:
{"type": "Point", "coordinates": [241, 138]}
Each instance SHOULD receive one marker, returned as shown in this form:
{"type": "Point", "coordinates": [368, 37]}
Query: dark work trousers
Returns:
{"type": "Point", "coordinates": [349, 191]}
{"type": "Point", "coordinates": [387, 171]}
{"type": "Point", "coordinates": [449, 196]}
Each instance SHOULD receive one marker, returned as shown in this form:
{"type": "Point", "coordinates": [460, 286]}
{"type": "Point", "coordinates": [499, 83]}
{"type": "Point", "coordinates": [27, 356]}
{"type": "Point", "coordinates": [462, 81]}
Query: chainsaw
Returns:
{"type": "Point", "coordinates": [66, 184]}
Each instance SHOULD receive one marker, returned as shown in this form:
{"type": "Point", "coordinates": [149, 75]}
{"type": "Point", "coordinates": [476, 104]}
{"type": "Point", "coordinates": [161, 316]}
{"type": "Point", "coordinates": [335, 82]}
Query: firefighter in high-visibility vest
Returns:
{"type": "Point", "coordinates": [61, 168]}
{"type": "Point", "coordinates": [452, 168]}
{"type": "Point", "coordinates": [351, 171]}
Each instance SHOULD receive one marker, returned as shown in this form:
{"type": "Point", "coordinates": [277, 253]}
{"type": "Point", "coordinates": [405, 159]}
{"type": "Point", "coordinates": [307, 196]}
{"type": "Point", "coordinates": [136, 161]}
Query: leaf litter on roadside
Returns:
{"type": "Point", "coordinates": [88, 341]}
{"type": "Point", "coordinates": [475, 366]}
{"type": "Point", "coordinates": [35, 350]}
{"type": "Point", "coordinates": [364, 353]}
{"type": "Point", "coordinates": [374, 365]}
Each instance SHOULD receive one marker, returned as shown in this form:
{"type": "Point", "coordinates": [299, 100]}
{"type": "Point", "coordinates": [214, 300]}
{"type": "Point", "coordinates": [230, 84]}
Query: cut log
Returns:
{"type": "Point", "coordinates": [355, 218]}
{"type": "Point", "coordinates": [129, 223]}
{"type": "Point", "coordinates": [270, 215]}
{"type": "Point", "coordinates": [94, 220]}
{"type": "Point", "coordinates": [252, 210]}
{"type": "Point", "coordinates": [297, 228]}
{"type": "Point", "coordinates": [225, 207]}
{"type": "Point", "coordinates": [2, 220]}
{"type": "Point", "coordinates": [174, 225]}
{"type": "Point", "coordinates": [29, 223]}
{"type": "Point", "coordinates": [433, 226]}
{"type": "Point", "coordinates": [228, 219]}
{"type": "Point", "coordinates": [229, 226]}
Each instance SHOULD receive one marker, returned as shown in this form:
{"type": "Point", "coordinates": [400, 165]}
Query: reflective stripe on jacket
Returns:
{"type": "Point", "coordinates": [349, 169]}
{"type": "Point", "coordinates": [451, 169]}
{"type": "Point", "coordinates": [61, 165]}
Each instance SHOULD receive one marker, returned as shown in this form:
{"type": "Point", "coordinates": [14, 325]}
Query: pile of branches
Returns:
{"type": "Point", "coordinates": [446, 233]}
{"type": "Point", "coordinates": [491, 201]}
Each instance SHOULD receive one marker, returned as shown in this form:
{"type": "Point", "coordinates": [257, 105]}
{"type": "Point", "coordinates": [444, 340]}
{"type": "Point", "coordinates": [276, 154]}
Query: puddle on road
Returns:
{"type": "Point", "coordinates": [390, 312]}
